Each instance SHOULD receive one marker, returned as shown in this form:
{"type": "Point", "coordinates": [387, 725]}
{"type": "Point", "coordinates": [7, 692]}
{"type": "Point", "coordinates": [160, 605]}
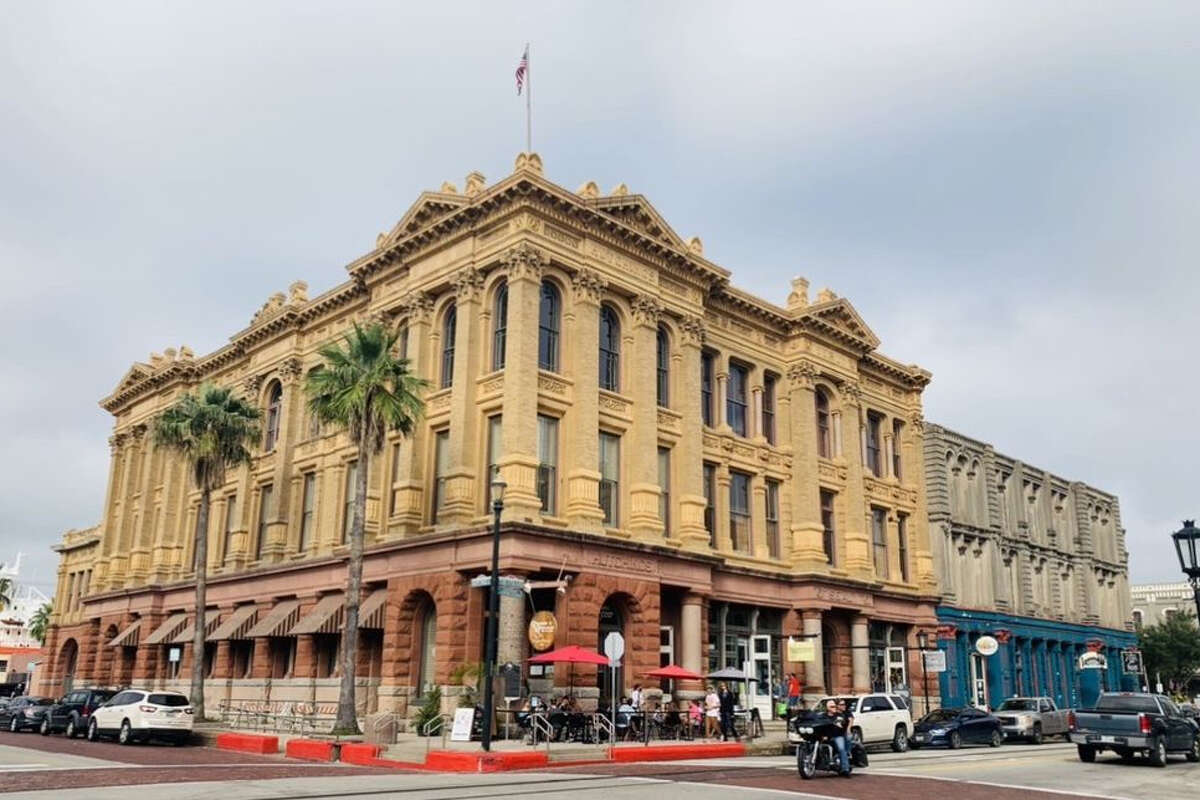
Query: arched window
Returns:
{"type": "Point", "coordinates": [274, 405]}
{"type": "Point", "coordinates": [449, 327]}
{"type": "Point", "coordinates": [500, 327]}
{"type": "Point", "coordinates": [824, 437]}
{"type": "Point", "coordinates": [427, 664]}
{"type": "Point", "coordinates": [610, 350]}
{"type": "Point", "coordinates": [549, 322]}
{"type": "Point", "coordinates": [664, 367]}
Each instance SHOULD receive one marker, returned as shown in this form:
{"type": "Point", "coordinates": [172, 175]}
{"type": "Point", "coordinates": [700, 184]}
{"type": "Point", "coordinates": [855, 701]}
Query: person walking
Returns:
{"type": "Point", "coordinates": [726, 704]}
{"type": "Point", "coordinates": [712, 713]}
{"type": "Point", "coordinates": [793, 694]}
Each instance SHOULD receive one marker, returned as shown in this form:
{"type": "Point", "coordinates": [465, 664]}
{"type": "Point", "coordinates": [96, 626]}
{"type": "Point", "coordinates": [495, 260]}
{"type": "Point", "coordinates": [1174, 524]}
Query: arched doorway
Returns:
{"type": "Point", "coordinates": [425, 646]}
{"type": "Point", "coordinates": [68, 659]}
{"type": "Point", "coordinates": [612, 620]}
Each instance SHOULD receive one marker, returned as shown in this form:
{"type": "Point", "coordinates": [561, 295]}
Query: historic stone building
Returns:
{"type": "Point", "coordinates": [1154, 603]}
{"type": "Point", "coordinates": [703, 470]}
{"type": "Point", "coordinates": [1036, 562]}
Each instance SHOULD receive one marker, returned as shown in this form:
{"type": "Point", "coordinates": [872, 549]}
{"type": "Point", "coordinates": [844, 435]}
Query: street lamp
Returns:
{"type": "Point", "coordinates": [1187, 547]}
{"type": "Point", "coordinates": [923, 643]}
{"type": "Point", "coordinates": [489, 668]}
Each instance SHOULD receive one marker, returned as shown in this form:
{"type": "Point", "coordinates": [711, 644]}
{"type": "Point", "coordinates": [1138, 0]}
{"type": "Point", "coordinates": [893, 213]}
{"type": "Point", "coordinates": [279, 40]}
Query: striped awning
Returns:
{"type": "Point", "coordinates": [188, 632]}
{"type": "Point", "coordinates": [128, 637]}
{"type": "Point", "coordinates": [236, 624]}
{"type": "Point", "coordinates": [281, 619]}
{"type": "Point", "coordinates": [171, 626]}
{"type": "Point", "coordinates": [373, 611]}
{"type": "Point", "coordinates": [327, 616]}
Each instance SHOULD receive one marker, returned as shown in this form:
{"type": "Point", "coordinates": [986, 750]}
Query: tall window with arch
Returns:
{"type": "Point", "coordinates": [449, 329]}
{"type": "Point", "coordinates": [499, 326]}
{"type": "Point", "coordinates": [610, 350]}
{"type": "Point", "coordinates": [274, 412]}
{"type": "Point", "coordinates": [824, 426]}
{"type": "Point", "coordinates": [663, 368]}
{"type": "Point", "coordinates": [427, 665]}
{"type": "Point", "coordinates": [549, 326]}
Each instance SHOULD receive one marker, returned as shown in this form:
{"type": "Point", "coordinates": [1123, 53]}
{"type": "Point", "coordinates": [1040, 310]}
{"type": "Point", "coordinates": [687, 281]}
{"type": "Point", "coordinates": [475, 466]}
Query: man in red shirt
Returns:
{"type": "Point", "coordinates": [793, 693]}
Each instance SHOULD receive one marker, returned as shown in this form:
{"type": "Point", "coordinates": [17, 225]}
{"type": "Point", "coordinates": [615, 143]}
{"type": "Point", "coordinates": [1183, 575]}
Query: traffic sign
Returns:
{"type": "Point", "coordinates": [614, 646]}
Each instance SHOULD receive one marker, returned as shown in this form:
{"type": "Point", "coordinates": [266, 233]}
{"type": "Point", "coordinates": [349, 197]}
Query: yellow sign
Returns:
{"type": "Point", "coordinates": [801, 650]}
{"type": "Point", "coordinates": [542, 629]}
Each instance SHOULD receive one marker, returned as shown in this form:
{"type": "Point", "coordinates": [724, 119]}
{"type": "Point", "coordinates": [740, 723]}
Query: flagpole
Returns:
{"type": "Point", "coordinates": [528, 101]}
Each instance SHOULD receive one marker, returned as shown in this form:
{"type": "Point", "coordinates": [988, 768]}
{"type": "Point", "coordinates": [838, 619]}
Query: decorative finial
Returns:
{"type": "Point", "coordinates": [798, 298]}
{"type": "Point", "coordinates": [589, 190]}
{"type": "Point", "coordinates": [448, 188]}
{"type": "Point", "coordinates": [475, 183]}
{"type": "Point", "coordinates": [826, 295]}
{"type": "Point", "coordinates": [696, 246]}
{"type": "Point", "coordinates": [620, 190]}
{"type": "Point", "coordinates": [528, 162]}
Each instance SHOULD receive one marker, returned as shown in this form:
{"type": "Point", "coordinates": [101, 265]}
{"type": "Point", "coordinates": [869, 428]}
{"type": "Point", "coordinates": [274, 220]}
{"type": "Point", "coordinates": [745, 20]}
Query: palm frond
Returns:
{"type": "Point", "coordinates": [210, 429]}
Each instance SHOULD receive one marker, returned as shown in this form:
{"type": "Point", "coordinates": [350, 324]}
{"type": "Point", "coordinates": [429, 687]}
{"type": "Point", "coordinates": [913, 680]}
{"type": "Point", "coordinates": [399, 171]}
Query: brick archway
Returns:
{"type": "Point", "coordinates": [67, 664]}
{"type": "Point", "coordinates": [639, 602]}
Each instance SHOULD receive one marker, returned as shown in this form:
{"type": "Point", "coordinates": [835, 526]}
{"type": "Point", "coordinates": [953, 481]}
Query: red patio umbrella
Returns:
{"type": "Point", "coordinates": [675, 673]}
{"type": "Point", "coordinates": [571, 654]}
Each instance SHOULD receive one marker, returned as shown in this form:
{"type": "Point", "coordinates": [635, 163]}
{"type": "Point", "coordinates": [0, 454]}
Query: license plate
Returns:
{"type": "Point", "coordinates": [920, 737]}
{"type": "Point", "coordinates": [1092, 737]}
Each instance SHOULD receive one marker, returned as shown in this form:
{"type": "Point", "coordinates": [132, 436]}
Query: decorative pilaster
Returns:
{"type": "Point", "coordinates": [857, 535]}
{"type": "Point", "coordinates": [689, 456]}
{"type": "Point", "coordinates": [460, 504]}
{"type": "Point", "coordinates": [641, 463]}
{"type": "Point", "coordinates": [807, 533]}
{"type": "Point", "coordinates": [583, 476]}
{"type": "Point", "coordinates": [407, 511]}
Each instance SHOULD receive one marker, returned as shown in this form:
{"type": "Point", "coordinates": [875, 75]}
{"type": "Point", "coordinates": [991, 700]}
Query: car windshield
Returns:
{"type": "Point", "coordinates": [173, 700]}
{"type": "Point", "coordinates": [941, 715]}
{"type": "Point", "coordinates": [1018, 704]}
{"type": "Point", "coordinates": [102, 695]}
{"type": "Point", "coordinates": [1127, 702]}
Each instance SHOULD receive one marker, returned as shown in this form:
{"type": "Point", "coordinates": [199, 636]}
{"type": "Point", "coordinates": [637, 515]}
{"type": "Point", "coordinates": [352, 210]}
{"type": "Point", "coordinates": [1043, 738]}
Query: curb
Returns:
{"type": "Point", "coordinates": [248, 743]}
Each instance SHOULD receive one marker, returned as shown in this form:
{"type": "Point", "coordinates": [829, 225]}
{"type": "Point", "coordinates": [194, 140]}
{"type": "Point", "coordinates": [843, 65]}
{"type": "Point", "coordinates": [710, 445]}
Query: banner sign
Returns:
{"type": "Point", "coordinates": [801, 650]}
{"type": "Point", "coordinates": [542, 630]}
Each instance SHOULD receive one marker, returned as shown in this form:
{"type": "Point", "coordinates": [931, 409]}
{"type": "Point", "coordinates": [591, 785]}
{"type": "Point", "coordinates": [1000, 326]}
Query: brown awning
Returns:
{"type": "Point", "coordinates": [129, 636]}
{"type": "Point", "coordinates": [236, 624]}
{"type": "Point", "coordinates": [281, 619]}
{"type": "Point", "coordinates": [188, 632]}
{"type": "Point", "coordinates": [327, 616]}
{"type": "Point", "coordinates": [373, 611]}
{"type": "Point", "coordinates": [168, 629]}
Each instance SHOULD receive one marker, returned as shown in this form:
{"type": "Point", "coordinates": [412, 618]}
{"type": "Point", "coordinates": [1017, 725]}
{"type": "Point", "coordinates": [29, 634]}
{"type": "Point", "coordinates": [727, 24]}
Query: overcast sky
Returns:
{"type": "Point", "coordinates": [1006, 192]}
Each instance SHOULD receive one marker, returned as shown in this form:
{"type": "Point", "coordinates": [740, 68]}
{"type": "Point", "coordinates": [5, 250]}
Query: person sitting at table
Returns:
{"type": "Point", "coordinates": [625, 719]}
{"type": "Point", "coordinates": [695, 717]}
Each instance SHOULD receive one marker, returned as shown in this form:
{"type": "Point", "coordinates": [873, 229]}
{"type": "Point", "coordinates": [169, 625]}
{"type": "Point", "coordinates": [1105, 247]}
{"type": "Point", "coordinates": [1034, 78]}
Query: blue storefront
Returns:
{"type": "Point", "coordinates": [1034, 657]}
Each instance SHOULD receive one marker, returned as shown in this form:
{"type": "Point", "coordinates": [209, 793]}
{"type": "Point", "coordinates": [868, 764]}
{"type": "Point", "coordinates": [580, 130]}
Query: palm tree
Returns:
{"type": "Point", "coordinates": [366, 388]}
{"type": "Point", "coordinates": [210, 430]}
{"type": "Point", "coordinates": [6, 592]}
{"type": "Point", "coordinates": [40, 621]}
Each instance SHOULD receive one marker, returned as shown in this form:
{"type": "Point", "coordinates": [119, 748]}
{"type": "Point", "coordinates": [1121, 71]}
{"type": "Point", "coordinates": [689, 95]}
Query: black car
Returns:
{"type": "Point", "coordinates": [71, 713]}
{"type": "Point", "coordinates": [24, 713]}
{"type": "Point", "coordinates": [954, 727]}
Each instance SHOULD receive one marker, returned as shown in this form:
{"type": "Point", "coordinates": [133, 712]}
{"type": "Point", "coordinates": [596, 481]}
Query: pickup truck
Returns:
{"type": "Point", "coordinates": [1129, 723]}
{"type": "Point", "coordinates": [1031, 718]}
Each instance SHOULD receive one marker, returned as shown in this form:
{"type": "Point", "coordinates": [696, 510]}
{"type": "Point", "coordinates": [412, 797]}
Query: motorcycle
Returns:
{"type": "Point", "coordinates": [815, 750]}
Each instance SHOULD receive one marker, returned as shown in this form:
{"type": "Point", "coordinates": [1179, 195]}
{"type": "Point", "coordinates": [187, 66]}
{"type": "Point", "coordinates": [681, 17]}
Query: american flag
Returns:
{"type": "Point", "coordinates": [522, 68]}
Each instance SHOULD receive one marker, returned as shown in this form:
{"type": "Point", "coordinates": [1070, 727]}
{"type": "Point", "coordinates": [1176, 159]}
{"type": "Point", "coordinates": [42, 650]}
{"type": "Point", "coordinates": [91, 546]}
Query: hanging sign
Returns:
{"type": "Point", "coordinates": [986, 645]}
{"type": "Point", "coordinates": [1092, 660]}
{"type": "Point", "coordinates": [542, 630]}
{"type": "Point", "coordinates": [801, 650]}
{"type": "Point", "coordinates": [935, 660]}
{"type": "Point", "coordinates": [1131, 662]}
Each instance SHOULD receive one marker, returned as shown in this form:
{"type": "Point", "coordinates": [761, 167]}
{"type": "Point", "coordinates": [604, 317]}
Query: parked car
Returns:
{"type": "Point", "coordinates": [1031, 718]}
{"type": "Point", "coordinates": [1133, 722]}
{"type": "Point", "coordinates": [954, 727]}
{"type": "Point", "coordinates": [24, 713]}
{"type": "Point", "coordinates": [878, 719]}
{"type": "Point", "coordinates": [70, 714]}
{"type": "Point", "coordinates": [135, 715]}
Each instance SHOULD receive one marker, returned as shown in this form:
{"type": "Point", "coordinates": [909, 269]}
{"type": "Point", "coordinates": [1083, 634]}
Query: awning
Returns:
{"type": "Point", "coordinates": [373, 611]}
{"type": "Point", "coordinates": [327, 616]}
{"type": "Point", "coordinates": [168, 629]}
{"type": "Point", "coordinates": [278, 622]}
{"type": "Point", "coordinates": [188, 632]}
{"type": "Point", "coordinates": [128, 637]}
{"type": "Point", "coordinates": [236, 624]}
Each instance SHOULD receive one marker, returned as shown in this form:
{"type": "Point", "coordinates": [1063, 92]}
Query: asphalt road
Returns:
{"type": "Point", "coordinates": [41, 768]}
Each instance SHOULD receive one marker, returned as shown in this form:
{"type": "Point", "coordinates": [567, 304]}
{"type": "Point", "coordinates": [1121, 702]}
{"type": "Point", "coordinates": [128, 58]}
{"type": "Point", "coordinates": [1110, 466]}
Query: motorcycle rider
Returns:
{"type": "Point", "coordinates": [842, 720]}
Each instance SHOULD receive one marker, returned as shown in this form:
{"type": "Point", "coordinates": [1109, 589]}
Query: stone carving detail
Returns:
{"type": "Point", "coordinates": [418, 306]}
{"type": "Point", "coordinates": [116, 442]}
{"type": "Point", "coordinates": [475, 183]}
{"type": "Point", "coordinates": [620, 190]}
{"type": "Point", "coordinates": [588, 191]}
{"type": "Point", "coordinates": [802, 374]}
{"type": "Point", "coordinates": [695, 245]}
{"type": "Point", "coordinates": [798, 298]}
{"type": "Point", "coordinates": [917, 420]}
{"type": "Point", "coordinates": [646, 310]}
{"type": "Point", "coordinates": [291, 370]}
{"type": "Point", "coordinates": [525, 261]}
{"type": "Point", "coordinates": [439, 402]}
{"type": "Point", "coordinates": [613, 404]}
{"type": "Point", "coordinates": [468, 283]}
{"type": "Point", "coordinates": [588, 286]}
{"type": "Point", "coordinates": [551, 385]}
{"type": "Point", "coordinates": [692, 330]}
{"type": "Point", "coordinates": [251, 384]}
{"type": "Point", "coordinates": [851, 393]}
{"type": "Point", "coordinates": [530, 162]}
{"type": "Point", "coordinates": [494, 386]}
{"type": "Point", "coordinates": [561, 236]}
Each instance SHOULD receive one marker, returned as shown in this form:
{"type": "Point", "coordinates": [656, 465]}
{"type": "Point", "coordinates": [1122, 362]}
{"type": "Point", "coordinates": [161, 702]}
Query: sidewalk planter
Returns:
{"type": "Point", "coordinates": [310, 750]}
{"type": "Point", "coordinates": [248, 743]}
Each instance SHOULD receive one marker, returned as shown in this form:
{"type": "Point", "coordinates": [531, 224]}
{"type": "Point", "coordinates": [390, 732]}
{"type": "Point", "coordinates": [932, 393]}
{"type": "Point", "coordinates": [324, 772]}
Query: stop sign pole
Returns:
{"type": "Point", "coordinates": [614, 648]}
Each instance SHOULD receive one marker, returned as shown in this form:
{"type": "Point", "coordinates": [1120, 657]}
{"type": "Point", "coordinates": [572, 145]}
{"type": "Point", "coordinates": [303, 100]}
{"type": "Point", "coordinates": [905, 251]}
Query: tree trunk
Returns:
{"type": "Point", "coordinates": [201, 546]}
{"type": "Point", "coordinates": [347, 716]}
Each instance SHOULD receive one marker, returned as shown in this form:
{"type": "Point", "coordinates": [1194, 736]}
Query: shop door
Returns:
{"type": "Point", "coordinates": [979, 691]}
{"type": "Point", "coordinates": [760, 668]}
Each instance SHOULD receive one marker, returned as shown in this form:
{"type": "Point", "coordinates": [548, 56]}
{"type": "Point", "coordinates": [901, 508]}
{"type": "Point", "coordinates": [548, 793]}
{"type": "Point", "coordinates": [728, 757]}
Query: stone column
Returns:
{"type": "Point", "coordinates": [519, 432]}
{"type": "Point", "coordinates": [688, 457]}
{"type": "Point", "coordinates": [807, 533]}
{"type": "Point", "coordinates": [511, 639]}
{"type": "Point", "coordinates": [722, 370]}
{"type": "Point", "coordinates": [460, 503]}
{"type": "Point", "coordinates": [857, 534]}
{"type": "Point", "coordinates": [814, 671]}
{"type": "Point", "coordinates": [758, 517]}
{"type": "Point", "coordinates": [408, 514]}
{"type": "Point", "coordinates": [912, 454]}
{"type": "Point", "coordinates": [641, 455]}
{"type": "Point", "coordinates": [583, 476]}
{"type": "Point", "coordinates": [722, 534]}
{"type": "Point", "coordinates": [860, 640]}
{"type": "Point", "coordinates": [291, 408]}
{"type": "Point", "coordinates": [691, 638]}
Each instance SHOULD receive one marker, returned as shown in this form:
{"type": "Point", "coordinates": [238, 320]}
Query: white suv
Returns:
{"type": "Point", "coordinates": [138, 715]}
{"type": "Point", "coordinates": [879, 718]}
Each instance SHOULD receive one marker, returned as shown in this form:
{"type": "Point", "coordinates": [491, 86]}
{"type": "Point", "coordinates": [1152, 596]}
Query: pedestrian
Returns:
{"type": "Point", "coordinates": [636, 696]}
{"type": "Point", "coordinates": [712, 713]}
{"type": "Point", "coordinates": [793, 693]}
{"type": "Point", "coordinates": [695, 717]}
{"type": "Point", "coordinates": [726, 705]}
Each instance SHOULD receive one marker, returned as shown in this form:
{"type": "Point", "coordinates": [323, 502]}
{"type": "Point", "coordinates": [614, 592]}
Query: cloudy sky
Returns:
{"type": "Point", "coordinates": [1005, 191]}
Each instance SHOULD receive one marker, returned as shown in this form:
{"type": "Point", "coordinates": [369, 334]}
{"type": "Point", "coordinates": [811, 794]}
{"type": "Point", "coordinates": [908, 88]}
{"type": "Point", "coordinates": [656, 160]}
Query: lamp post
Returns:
{"type": "Point", "coordinates": [489, 667]}
{"type": "Point", "coordinates": [1187, 547]}
{"type": "Point", "coordinates": [923, 643]}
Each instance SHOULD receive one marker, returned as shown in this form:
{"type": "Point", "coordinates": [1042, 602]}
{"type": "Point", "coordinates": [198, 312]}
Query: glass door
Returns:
{"type": "Point", "coordinates": [760, 690]}
{"type": "Point", "coordinates": [979, 691]}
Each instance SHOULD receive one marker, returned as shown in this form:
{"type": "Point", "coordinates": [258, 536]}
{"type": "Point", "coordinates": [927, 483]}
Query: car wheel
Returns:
{"type": "Point", "coordinates": [1087, 754]}
{"type": "Point", "coordinates": [1158, 752]}
{"type": "Point", "coordinates": [1193, 755]}
{"type": "Point", "coordinates": [44, 728]}
{"type": "Point", "coordinates": [997, 739]}
{"type": "Point", "coordinates": [71, 732]}
{"type": "Point", "coordinates": [900, 739]}
{"type": "Point", "coordinates": [125, 735]}
{"type": "Point", "coordinates": [14, 725]}
{"type": "Point", "coordinates": [955, 740]}
{"type": "Point", "coordinates": [1036, 738]}
{"type": "Point", "coordinates": [93, 731]}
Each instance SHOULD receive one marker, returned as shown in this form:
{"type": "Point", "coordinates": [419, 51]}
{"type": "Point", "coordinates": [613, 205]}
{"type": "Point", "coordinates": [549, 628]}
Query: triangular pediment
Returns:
{"type": "Point", "coordinates": [429, 207]}
{"type": "Point", "coordinates": [636, 212]}
{"type": "Point", "coordinates": [136, 374]}
{"type": "Point", "coordinates": [838, 317]}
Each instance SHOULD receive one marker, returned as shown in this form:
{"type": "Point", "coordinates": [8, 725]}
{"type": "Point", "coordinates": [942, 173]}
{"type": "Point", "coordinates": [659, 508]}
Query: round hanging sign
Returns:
{"type": "Point", "coordinates": [542, 629]}
{"type": "Point", "coordinates": [986, 645]}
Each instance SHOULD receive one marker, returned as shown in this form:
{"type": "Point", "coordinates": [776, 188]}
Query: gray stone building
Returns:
{"type": "Point", "coordinates": [1156, 602]}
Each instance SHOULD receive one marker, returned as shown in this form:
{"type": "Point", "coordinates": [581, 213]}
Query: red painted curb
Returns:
{"type": "Point", "coordinates": [677, 752]}
{"type": "Point", "coordinates": [452, 761]}
{"type": "Point", "coordinates": [309, 750]}
{"type": "Point", "coordinates": [360, 753]}
{"type": "Point", "coordinates": [248, 743]}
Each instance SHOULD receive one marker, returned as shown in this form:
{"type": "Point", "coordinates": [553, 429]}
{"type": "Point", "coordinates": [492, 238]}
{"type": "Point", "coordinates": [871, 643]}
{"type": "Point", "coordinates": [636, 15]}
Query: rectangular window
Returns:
{"type": "Point", "coordinates": [351, 491]}
{"type": "Point", "coordinates": [735, 401]}
{"type": "Point", "coordinates": [897, 450]}
{"type": "Point", "coordinates": [327, 646]}
{"type": "Point", "coordinates": [242, 653]}
{"type": "Point", "coordinates": [710, 494]}
{"type": "Point", "coordinates": [548, 464]}
{"type": "Point", "coordinates": [874, 461]}
{"type": "Point", "coordinates": [494, 451]}
{"type": "Point", "coordinates": [827, 523]}
{"type": "Point", "coordinates": [664, 487]}
{"type": "Point", "coordinates": [706, 388]}
{"type": "Point", "coordinates": [264, 514]}
{"type": "Point", "coordinates": [393, 505]}
{"type": "Point", "coordinates": [230, 520]}
{"type": "Point", "coordinates": [283, 656]}
{"type": "Point", "coordinates": [768, 408]}
{"type": "Point", "coordinates": [610, 476]}
{"type": "Point", "coordinates": [902, 544]}
{"type": "Point", "coordinates": [739, 510]}
{"type": "Point", "coordinates": [441, 465]}
{"type": "Point", "coordinates": [773, 547]}
{"type": "Point", "coordinates": [306, 514]}
{"type": "Point", "coordinates": [879, 540]}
